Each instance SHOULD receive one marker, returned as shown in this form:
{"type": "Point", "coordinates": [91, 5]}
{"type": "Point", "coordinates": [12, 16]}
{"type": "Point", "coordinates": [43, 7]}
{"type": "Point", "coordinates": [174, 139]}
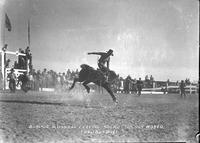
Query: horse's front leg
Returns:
{"type": "Point", "coordinates": [86, 86]}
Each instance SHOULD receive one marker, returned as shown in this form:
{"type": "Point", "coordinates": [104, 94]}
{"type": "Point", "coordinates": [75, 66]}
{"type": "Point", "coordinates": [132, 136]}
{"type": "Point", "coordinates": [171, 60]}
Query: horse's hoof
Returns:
{"type": "Point", "coordinates": [116, 102]}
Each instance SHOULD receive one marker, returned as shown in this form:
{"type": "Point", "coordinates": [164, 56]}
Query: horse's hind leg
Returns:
{"type": "Point", "coordinates": [85, 85]}
{"type": "Point", "coordinates": [75, 80]}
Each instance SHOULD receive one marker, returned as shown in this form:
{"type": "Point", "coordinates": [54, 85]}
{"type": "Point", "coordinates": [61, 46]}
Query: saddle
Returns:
{"type": "Point", "coordinates": [105, 73]}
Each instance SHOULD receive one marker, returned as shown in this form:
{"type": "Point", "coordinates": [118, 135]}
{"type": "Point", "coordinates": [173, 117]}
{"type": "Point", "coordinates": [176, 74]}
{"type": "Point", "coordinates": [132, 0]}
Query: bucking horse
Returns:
{"type": "Point", "coordinates": [88, 74]}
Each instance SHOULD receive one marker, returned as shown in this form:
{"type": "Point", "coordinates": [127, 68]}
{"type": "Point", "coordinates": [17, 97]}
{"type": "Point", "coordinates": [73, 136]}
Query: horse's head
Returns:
{"type": "Point", "coordinates": [86, 67]}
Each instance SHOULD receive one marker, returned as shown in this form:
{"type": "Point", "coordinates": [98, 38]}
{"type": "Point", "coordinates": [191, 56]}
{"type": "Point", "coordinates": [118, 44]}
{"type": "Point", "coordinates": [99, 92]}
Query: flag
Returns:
{"type": "Point", "coordinates": [7, 23]}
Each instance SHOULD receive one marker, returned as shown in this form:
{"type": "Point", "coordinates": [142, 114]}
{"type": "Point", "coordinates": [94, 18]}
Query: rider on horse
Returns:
{"type": "Point", "coordinates": [104, 59]}
{"type": "Point", "coordinates": [100, 76]}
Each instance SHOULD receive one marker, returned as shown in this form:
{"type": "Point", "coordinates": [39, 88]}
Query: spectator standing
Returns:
{"type": "Point", "coordinates": [182, 88]}
{"type": "Point", "coordinates": [68, 74]}
{"type": "Point", "coordinates": [146, 78]}
{"type": "Point", "coordinates": [28, 58]}
{"type": "Point", "coordinates": [31, 81]}
{"type": "Point", "coordinates": [139, 86]}
{"type": "Point", "coordinates": [38, 80]}
{"type": "Point", "coordinates": [7, 63]}
{"type": "Point", "coordinates": [54, 79]}
{"type": "Point", "coordinates": [187, 81]}
{"type": "Point", "coordinates": [58, 85]}
{"type": "Point", "coordinates": [134, 86]}
{"type": "Point", "coordinates": [20, 60]}
{"type": "Point", "coordinates": [15, 65]}
{"type": "Point", "coordinates": [151, 81]}
{"type": "Point", "coordinates": [177, 83]}
{"type": "Point", "coordinates": [151, 78]}
{"type": "Point", "coordinates": [44, 78]}
{"type": "Point", "coordinates": [62, 80]}
{"type": "Point", "coordinates": [127, 84]}
{"type": "Point", "coordinates": [12, 81]}
{"type": "Point", "coordinates": [34, 78]}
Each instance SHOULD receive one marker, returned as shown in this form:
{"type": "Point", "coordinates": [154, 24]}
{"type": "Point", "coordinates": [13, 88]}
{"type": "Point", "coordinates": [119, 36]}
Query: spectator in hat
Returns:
{"type": "Point", "coordinates": [182, 88]}
{"type": "Point", "coordinates": [12, 80]}
{"type": "Point", "coordinates": [139, 86]}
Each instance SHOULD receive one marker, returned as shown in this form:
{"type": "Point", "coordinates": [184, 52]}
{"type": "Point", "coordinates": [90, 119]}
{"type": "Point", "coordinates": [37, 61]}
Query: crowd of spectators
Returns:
{"type": "Point", "coordinates": [62, 81]}
{"type": "Point", "coordinates": [51, 79]}
{"type": "Point", "coordinates": [132, 85]}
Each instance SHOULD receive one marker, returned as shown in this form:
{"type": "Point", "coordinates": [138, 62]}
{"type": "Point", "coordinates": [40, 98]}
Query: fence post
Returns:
{"type": "Point", "coordinates": [3, 68]}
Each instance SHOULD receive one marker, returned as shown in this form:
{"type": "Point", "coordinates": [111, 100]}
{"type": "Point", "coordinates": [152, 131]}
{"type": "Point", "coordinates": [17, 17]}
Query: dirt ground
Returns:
{"type": "Point", "coordinates": [80, 117]}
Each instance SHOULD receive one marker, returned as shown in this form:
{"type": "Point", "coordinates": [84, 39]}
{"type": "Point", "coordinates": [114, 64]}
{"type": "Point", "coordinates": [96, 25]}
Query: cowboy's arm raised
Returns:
{"type": "Point", "coordinates": [96, 53]}
{"type": "Point", "coordinates": [108, 63]}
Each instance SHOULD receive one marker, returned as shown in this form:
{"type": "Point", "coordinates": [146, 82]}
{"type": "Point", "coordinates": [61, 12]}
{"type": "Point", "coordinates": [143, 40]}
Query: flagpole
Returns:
{"type": "Point", "coordinates": [3, 53]}
{"type": "Point", "coordinates": [29, 33]}
{"type": "Point", "coordinates": [29, 63]}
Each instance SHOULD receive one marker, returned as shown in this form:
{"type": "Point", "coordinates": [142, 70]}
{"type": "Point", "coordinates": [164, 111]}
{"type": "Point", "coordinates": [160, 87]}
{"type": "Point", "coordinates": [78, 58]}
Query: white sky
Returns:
{"type": "Point", "coordinates": [153, 37]}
